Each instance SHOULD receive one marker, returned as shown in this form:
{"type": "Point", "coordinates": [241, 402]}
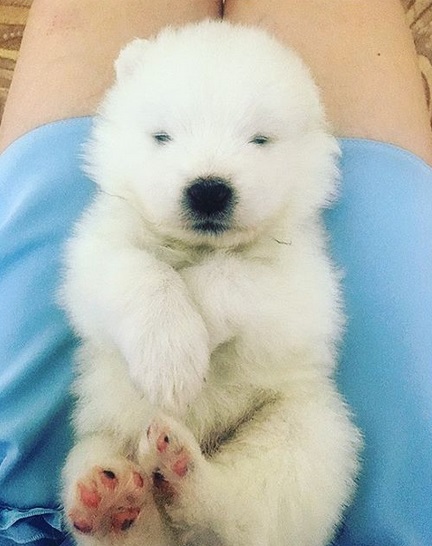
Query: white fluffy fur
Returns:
{"type": "Point", "coordinates": [234, 334]}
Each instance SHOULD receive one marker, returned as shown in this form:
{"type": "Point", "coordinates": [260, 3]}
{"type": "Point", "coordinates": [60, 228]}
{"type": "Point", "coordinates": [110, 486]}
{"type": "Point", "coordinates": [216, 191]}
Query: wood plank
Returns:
{"type": "Point", "coordinates": [8, 53]}
{"type": "Point", "coordinates": [13, 15]}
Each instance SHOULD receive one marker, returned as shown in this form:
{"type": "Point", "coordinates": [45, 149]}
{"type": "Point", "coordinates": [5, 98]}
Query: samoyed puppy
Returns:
{"type": "Point", "coordinates": [208, 308]}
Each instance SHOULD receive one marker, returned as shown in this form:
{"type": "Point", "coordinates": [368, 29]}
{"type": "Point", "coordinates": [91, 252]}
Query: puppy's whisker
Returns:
{"type": "Point", "coordinates": [112, 194]}
{"type": "Point", "coordinates": [288, 243]}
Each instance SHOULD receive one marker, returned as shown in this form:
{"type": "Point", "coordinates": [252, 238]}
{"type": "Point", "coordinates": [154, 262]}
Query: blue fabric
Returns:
{"type": "Point", "coordinates": [42, 191]}
{"type": "Point", "coordinates": [382, 238]}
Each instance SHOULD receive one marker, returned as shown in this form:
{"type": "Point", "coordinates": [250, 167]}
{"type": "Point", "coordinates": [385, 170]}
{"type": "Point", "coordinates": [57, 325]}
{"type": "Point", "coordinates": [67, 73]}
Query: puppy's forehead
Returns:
{"type": "Point", "coordinates": [217, 65]}
{"type": "Point", "coordinates": [223, 72]}
{"type": "Point", "coordinates": [230, 82]}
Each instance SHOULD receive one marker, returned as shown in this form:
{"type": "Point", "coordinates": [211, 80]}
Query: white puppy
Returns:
{"type": "Point", "coordinates": [209, 311]}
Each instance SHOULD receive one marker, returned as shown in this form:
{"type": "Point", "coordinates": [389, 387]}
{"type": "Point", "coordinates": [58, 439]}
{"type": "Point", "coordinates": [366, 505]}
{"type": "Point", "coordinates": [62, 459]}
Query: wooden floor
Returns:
{"type": "Point", "coordinates": [13, 16]}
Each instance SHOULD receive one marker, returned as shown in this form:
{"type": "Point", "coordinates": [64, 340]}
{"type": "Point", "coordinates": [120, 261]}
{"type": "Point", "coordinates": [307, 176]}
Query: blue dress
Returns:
{"type": "Point", "coordinates": [381, 233]}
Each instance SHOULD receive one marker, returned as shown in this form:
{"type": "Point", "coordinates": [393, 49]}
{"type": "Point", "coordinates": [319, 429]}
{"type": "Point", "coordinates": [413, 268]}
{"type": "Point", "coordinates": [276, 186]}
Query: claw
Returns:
{"type": "Point", "coordinates": [109, 479]}
{"type": "Point", "coordinates": [162, 443]}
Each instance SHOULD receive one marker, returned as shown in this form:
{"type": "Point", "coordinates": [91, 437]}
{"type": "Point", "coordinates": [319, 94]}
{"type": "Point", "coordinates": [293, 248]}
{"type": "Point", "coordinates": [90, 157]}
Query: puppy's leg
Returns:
{"type": "Point", "coordinates": [108, 498]}
{"type": "Point", "coordinates": [123, 297]}
{"type": "Point", "coordinates": [282, 480]}
{"type": "Point", "coordinates": [172, 456]}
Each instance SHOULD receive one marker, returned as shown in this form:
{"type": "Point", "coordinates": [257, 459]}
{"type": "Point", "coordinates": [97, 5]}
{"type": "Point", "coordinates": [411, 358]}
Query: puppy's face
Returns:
{"type": "Point", "coordinates": [212, 131]}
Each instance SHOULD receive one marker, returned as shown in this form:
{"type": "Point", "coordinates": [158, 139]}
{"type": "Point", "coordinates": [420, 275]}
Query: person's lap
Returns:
{"type": "Point", "coordinates": [360, 52]}
{"type": "Point", "coordinates": [380, 230]}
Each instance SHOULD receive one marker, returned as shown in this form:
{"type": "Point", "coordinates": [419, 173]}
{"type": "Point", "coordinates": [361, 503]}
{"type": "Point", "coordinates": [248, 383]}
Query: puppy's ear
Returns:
{"type": "Point", "coordinates": [130, 57]}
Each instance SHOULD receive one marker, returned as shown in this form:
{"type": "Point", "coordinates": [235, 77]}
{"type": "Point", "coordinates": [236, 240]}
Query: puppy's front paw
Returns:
{"type": "Point", "coordinates": [109, 500]}
{"type": "Point", "coordinates": [169, 359]}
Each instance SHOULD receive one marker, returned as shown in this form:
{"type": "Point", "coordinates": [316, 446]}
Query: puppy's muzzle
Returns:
{"type": "Point", "coordinates": [209, 204]}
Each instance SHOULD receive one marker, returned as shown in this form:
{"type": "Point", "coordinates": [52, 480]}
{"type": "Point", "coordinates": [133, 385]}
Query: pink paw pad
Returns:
{"type": "Point", "coordinates": [174, 459]}
{"type": "Point", "coordinates": [121, 521]}
{"type": "Point", "coordinates": [108, 501]}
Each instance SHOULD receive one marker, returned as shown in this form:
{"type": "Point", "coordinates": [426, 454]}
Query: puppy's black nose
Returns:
{"type": "Point", "coordinates": [209, 196]}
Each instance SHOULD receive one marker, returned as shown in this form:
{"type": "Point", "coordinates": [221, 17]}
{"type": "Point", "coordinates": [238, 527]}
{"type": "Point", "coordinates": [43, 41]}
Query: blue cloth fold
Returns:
{"type": "Point", "coordinates": [33, 527]}
{"type": "Point", "coordinates": [381, 233]}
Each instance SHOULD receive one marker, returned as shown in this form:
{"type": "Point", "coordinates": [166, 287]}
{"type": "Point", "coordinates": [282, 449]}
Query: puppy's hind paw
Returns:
{"type": "Point", "coordinates": [109, 500]}
{"type": "Point", "coordinates": [174, 455]}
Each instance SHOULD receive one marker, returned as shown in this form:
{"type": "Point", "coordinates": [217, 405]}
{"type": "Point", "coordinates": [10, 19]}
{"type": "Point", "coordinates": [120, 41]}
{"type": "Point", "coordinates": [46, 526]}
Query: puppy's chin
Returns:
{"type": "Point", "coordinates": [207, 227]}
{"type": "Point", "coordinates": [211, 235]}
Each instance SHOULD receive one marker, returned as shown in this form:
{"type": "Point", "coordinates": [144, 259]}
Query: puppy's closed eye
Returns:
{"type": "Point", "coordinates": [260, 140]}
{"type": "Point", "coordinates": [161, 137]}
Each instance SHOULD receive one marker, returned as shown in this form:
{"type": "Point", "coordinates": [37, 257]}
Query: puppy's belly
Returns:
{"type": "Point", "coordinates": [217, 437]}
{"type": "Point", "coordinates": [223, 410]}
